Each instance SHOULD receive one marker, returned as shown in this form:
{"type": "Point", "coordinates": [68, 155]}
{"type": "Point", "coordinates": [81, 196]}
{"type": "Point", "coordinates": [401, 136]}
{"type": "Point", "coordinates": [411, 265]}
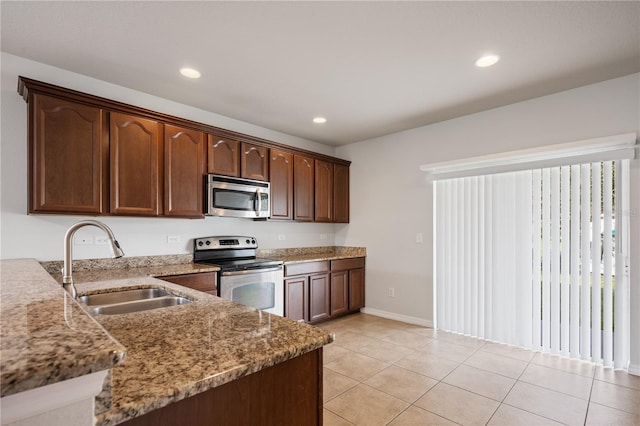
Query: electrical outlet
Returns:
{"type": "Point", "coordinates": [173, 239]}
{"type": "Point", "coordinates": [392, 292]}
{"type": "Point", "coordinates": [101, 241]}
{"type": "Point", "coordinates": [83, 240]}
{"type": "Point", "coordinates": [419, 237]}
{"type": "Point", "coordinates": [282, 237]}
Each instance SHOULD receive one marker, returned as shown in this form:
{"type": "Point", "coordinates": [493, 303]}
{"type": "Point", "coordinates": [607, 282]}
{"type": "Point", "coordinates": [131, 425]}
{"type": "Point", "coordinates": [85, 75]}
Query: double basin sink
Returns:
{"type": "Point", "coordinates": [128, 301]}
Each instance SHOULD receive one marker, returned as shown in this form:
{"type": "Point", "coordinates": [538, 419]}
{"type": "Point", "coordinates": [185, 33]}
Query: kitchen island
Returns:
{"type": "Point", "coordinates": [201, 353]}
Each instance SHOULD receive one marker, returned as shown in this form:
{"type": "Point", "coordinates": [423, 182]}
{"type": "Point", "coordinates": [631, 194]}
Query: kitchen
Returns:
{"type": "Point", "coordinates": [378, 229]}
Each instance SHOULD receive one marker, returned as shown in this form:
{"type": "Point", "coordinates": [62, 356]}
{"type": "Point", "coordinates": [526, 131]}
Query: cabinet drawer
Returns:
{"type": "Point", "coordinates": [342, 264]}
{"type": "Point", "coordinates": [204, 281]}
{"type": "Point", "coordinates": [306, 268]}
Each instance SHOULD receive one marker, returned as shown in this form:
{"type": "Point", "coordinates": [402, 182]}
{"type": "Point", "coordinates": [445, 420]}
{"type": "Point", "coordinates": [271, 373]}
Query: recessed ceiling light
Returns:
{"type": "Point", "coordinates": [190, 72]}
{"type": "Point", "coordinates": [487, 60]}
{"type": "Point", "coordinates": [319, 120]}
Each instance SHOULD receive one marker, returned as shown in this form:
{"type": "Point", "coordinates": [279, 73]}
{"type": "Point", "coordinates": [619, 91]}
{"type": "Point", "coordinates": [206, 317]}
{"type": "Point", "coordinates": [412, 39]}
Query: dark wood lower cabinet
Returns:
{"type": "Point", "coordinates": [339, 292]}
{"type": "Point", "coordinates": [356, 289]}
{"type": "Point", "coordinates": [296, 302]}
{"type": "Point", "coordinates": [319, 290]}
{"type": "Point", "coordinates": [206, 282]}
{"type": "Point", "coordinates": [318, 297]}
{"type": "Point", "coordinates": [285, 394]}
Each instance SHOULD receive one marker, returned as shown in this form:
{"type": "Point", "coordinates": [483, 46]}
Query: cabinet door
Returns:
{"type": "Point", "coordinates": [296, 305]}
{"type": "Point", "coordinates": [323, 191]}
{"type": "Point", "coordinates": [303, 196]}
{"type": "Point", "coordinates": [340, 193]}
{"type": "Point", "coordinates": [136, 165]}
{"type": "Point", "coordinates": [356, 289]}
{"type": "Point", "coordinates": [183, 171]}
{"type": "Point", "coordinates": [318, 297]}
{"type": "Point", "coordinates": [68, 154]}
{"type": "Point", "coordinates": [281, 178]}
{"type": "Point", "coordinates": [339, 292]}
{"type": "Point", "coordinates": [254, 162]}
{"type": "Point", "coordinates": [223, 156]}
{"type": "Point", "coordinates": [206, 282]}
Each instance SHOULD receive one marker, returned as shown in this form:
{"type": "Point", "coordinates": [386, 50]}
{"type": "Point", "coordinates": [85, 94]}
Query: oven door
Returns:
{"type": "Point", "coordinates": [259, 288]}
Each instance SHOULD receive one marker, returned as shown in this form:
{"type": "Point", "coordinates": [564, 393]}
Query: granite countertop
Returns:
{"type": "Point", "coordinates": [171, 353]}
{"type": "Point", "coordinates": [94, 270]}
{"type": "Point", "coordinates": [177, 352]}
{"type": "Point", "coordinates": [45, 336]}
{"type": "Point", "coordinates": [310, 254]}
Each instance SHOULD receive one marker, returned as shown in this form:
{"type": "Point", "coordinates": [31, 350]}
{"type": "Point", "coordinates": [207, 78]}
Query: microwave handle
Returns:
{"type": "Point", "coordinates": [257, 202]}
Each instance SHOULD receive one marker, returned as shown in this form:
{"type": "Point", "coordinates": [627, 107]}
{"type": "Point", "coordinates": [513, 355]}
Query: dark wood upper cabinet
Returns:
{"type": "Point", "coordinates": [136, 165]}
{"type": "Point", "coordinates": [323, 191]}
{"type": "Point", "coordinates": [223, 156]}
{"type": "Point", "coordinates": [68, 157]}
{"type": "Point", "coordinates": [281, 178]}
{"type": "Point", "coordinates": [303, 188]}
{"type": "Point", "coordinates": [184, 166]}
{"type": "Point", "coordinates": [340, 193]}
{"type": "Point", "coordinates": [254, 162]}
{"type": "Point", "coordinates": [95, 156]}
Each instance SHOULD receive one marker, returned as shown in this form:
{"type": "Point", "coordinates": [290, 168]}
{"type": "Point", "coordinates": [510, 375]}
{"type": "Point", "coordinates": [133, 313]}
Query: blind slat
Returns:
{"type": "Point", "coordinates": [596, 305]}
{"type": "Point", "coordinates": [554, 243]}
{"type": "Point", "coordinates": [536, 238]}
{"type": "Point", "coordinates": [585, 264]}
{"type": "Point", "coordinates": [574, 313]}
{"type": "Point", "coordinates": [607, 254]}
{"type": "Point", "coordinates": [565, 242]}
{"type": "Point", "coordinates": [546, 259]}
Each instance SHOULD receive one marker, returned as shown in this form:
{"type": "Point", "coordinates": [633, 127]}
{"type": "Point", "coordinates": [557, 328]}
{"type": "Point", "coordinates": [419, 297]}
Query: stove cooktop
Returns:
{"type": "Point", "coordinates": [242, 264]}
{"type": "Point", "coordinates": [231, 253]}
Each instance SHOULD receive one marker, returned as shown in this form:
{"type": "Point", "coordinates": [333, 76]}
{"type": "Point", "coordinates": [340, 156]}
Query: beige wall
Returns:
{"type": "Point", "coordinates": [391, 200]}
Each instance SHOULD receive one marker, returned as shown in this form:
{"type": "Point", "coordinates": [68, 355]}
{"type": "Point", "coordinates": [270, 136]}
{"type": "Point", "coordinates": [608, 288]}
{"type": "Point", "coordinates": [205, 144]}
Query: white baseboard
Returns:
{"type": "Point", "coordinates": [398, 317]}
{"type": "Point", "coordinates": [634, 369]}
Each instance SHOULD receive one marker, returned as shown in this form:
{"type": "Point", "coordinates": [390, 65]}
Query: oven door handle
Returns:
{"type": "Point", "coordinates": [251, 271]}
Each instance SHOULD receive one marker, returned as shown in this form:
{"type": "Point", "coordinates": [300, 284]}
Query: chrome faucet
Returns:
{"type": "Point", "coordinates": [67, 279]}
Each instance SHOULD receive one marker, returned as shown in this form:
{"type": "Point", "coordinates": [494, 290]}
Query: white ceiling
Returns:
{"type": "Point", "coordinates": [371, 68]}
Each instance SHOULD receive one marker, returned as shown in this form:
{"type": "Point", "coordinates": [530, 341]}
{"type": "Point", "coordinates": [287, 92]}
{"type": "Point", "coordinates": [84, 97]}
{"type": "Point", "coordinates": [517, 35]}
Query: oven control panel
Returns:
{"type": "Point", "coordinates": [231, 242]}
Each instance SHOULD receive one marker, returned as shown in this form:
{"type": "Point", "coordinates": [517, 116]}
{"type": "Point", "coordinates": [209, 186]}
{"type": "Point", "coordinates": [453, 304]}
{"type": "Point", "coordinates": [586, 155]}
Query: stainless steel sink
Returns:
{"type": "Point", "coordinates": [123, 296]}
{"type": "Point", "coordinates": [128, 301]}
{"type": "Point", "coordinates": [140, 305]}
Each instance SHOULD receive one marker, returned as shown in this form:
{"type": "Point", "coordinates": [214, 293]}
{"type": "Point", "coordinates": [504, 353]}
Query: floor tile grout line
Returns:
{"type": "Point", "coordinates": [335, 414]}
{"type": "Point", "coordinates": [531, 412]}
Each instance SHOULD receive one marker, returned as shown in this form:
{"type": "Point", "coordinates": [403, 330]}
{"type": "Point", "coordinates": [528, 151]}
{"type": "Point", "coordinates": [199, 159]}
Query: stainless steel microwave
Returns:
{"type": "Point", "coordinates": [237, 197]}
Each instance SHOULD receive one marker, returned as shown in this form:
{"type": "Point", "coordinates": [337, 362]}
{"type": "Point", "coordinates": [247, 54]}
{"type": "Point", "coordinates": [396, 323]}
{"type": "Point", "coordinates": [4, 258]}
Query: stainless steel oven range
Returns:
{"type": "Point", "coordinates": [243, 278]}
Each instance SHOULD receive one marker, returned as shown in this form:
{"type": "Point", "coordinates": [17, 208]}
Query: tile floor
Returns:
{"type": "Point", "coordinates": [384, 372]}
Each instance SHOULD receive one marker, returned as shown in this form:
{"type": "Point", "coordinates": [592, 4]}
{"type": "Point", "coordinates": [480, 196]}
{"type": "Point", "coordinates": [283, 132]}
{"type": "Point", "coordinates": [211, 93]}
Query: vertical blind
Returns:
{"type": "Point", "coordinates": [535, 258]}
